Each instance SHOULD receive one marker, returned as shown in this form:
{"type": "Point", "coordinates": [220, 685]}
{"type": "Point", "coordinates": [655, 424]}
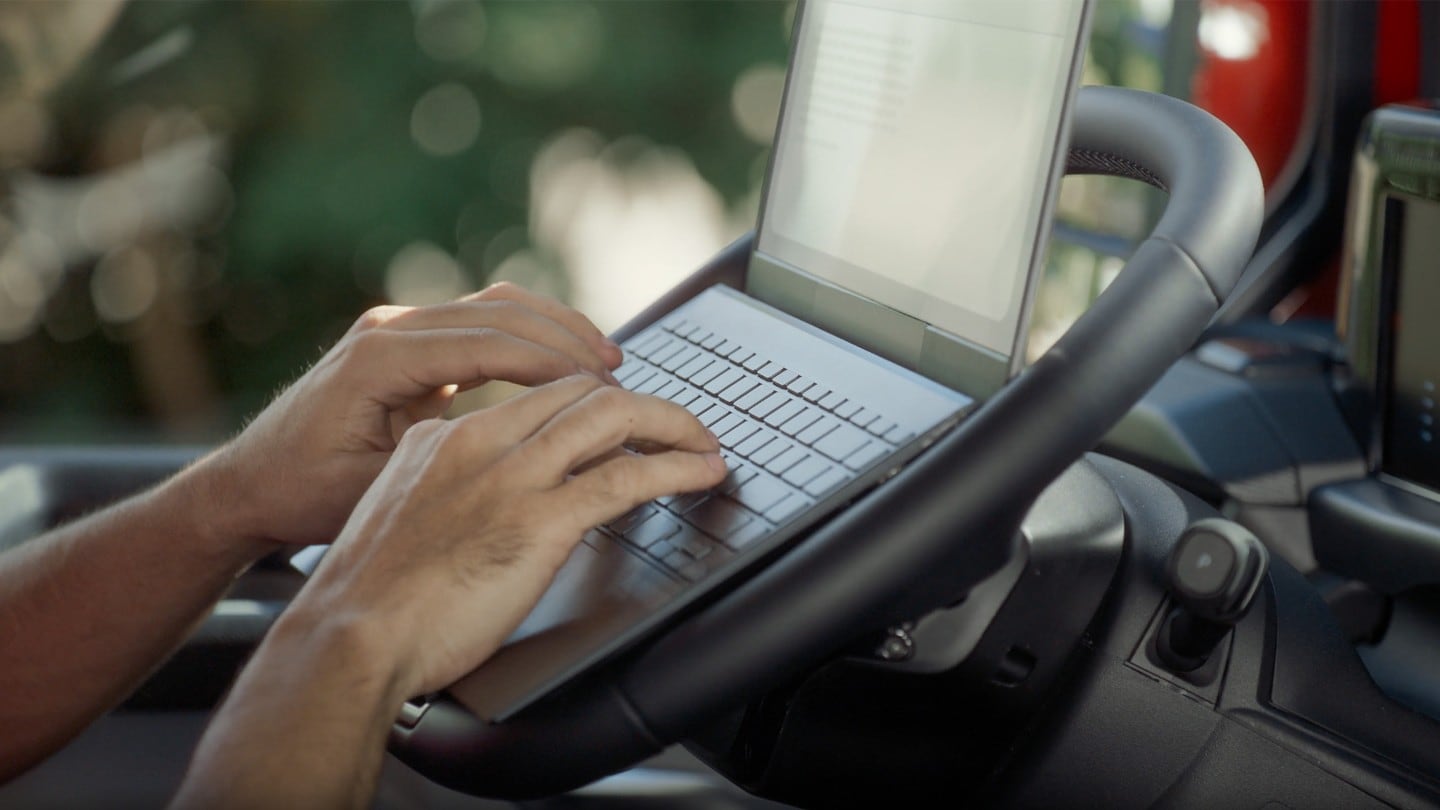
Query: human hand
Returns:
{"type": "Point", "coordinates": [297, 471]}
{"type": "Point", "coordinates": [464, 529]}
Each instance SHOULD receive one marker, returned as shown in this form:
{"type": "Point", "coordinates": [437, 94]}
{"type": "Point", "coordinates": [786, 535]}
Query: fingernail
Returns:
{"type": "Point", "coordinates": [612, 344]}
{"type": "Point", "coordinates": [716, 462]}
{"type": "Point", "coordinates": [713, 437]}
{"type": "Point", "coordinates": [610, 378]}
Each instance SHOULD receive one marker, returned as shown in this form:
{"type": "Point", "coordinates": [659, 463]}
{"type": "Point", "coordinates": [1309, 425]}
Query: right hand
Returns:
{"type": "Point", "coordinates": [464, 529]}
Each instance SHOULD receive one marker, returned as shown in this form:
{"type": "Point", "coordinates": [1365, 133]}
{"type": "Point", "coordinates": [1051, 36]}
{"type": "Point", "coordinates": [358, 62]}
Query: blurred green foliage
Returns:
{"type": "Point", "coordinates": [315, 101]}
{"type": "Point", "coordinates": [322, 111]}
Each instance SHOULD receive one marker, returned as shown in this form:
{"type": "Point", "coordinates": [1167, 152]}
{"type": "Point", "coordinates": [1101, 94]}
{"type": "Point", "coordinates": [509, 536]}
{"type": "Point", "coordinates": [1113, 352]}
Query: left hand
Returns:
{"type": "Point", "coordinates": [294, 475]}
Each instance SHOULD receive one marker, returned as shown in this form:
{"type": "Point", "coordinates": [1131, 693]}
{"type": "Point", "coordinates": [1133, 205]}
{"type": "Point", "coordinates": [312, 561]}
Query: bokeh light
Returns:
{"type": "Point", "coordinates": [446, 120]}
{"type": "Point", "coordinates": [421, 273]}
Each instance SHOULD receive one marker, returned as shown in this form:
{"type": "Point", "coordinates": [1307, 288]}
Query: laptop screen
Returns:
{"type": "Point", "coordinates": [915, 156]}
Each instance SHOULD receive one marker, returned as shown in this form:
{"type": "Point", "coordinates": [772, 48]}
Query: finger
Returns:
{"type": "Point", "coordinates": [604, 420]}
{"type": "Point", "coordinates": [512, 317]}
{"type": "Point", "coordinates": [616, 453]}
{"type": "Point", "coordinates": [549, 307]}
{"type": "Point", "coordinates": [615, 486]}
{"type": "Point", "coordinates": [396, 368]}
{"type": "Point", "coordinates": [429, 406]}
{"type": "Point", "coordinates": [518, 418]}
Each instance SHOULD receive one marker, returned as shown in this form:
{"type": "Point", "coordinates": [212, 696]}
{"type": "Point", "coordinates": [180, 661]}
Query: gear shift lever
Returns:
{"type": "Point", "coordinates": [1214, 573]}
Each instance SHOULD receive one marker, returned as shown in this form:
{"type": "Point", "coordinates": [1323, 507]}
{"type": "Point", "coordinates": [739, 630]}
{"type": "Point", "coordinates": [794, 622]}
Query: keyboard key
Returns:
{"type": "Point", "coordinates": [648, 343]}
{"type": "Point", "coordinates": [724, 347]}
{"type": "Point", "coordinates": [718, 517]}
{"type": "Point", "coordinates": [760, 493]}
{"type": "Point", "coordinates": [690, 369]}
{"type": "Point", "coordinates": [823, 483]}
{"type": "Point", "coordinates": [757, 440]}
{"type": "Point", "coordinates": [737, 477]}
{"type": "Point", "coordinates": [863, 417]}
{"type": "Point", "coordinates": [686, 330]}
{"type": "Point", "coordinates": [739, 433]}
{"type": "Point", "coordinates": [897, 435]}
{"type": "Point", "coordinates": [769, 451]}
{"type": "Point", "coordinates": [711, 342]}
{"type": "Point", "coordinates": [806, 471]}
{"type": "Point", "coordinates": [694, 571]}
{"type": "Point", "coordinates": [738, 389]}
{"type": "Point", "coordinates": [684, 395]}
{"type": "Point", "coordinates": [740, 355]}
{"type": "Point", "coordinates": [786, 509]}
{"type": "Point", "coordinates": [754, 362]}
{"type": "Point", "coordinates": [784, 378]}
{"type": "Point", "coordinates": [697, 545]}
{"type": "Point", "coordinates": [733, 352]}
{"type": "Point", "coordinates": [633, 518]}
{"type": "Point", "coordinates": [816, 392]}
{"type": "Point", "coordinates": [664, 353]}
{"type": "Point", "coordinates": [652, 530]}
{"type": "Point", "coordinates": [755, 397]}
{"type": "Point", "coordinates": [866, 456]}
{"type": "Point", "coordinates": [656, 348]}
{"type": "Point", "coordinates": [597, 540]}
{"type": "Point", "coordinates": [786, 460]}
{"type": "Point", "coordinates": [800, 421]}
{"type": "Point", "coordinates": [842, 442]}
{"type": "Point", "coordinates": [880, 427]}
{"type": "Point", "coordinates": [725, 423]}
{"type": "Point", "coordinates": [747, 535]}
{"type": "Point", "coordinates": [769, 405]}
{"type": "Point", "coordinates": [783, 414]}
{"type": "Point", "coordinates": [673, 324]}
{"type": "Point", "coordinates": [639, 378]}
{"type": "Point", "coordinates": [713, 414]}
{"type": "Point", "coordinates": [726, 378]}
{"type": "Point", "coordinates": [710, 372]}
{"type": "Point", "coordinates": [799, 385]}
{"type": "Point", "coordinates": [845, 410]}
{"type": "Point", "coordinates": [675, 361]}
{"type": "Point", "coordinates": [699, 404]}
{"type": "Point", "coordinates": [769, 370]}
{"type": "Point", "coordinates": [700, 334]}
{"type": "Point", "coordinates": [669, 389]}
{"type": "Point", "coordinates": [817, 431]}
{"type": "Point", "coordinates": [651, 385]}
{"type": "Point", "coordinates": [688, 501]}
{"type": "Point", "coordinates": [831, 401]}
{"type": "Point", "coordinates": [630, 368]}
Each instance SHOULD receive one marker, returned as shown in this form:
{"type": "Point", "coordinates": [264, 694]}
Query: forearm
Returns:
{"type": "Point", "coordinates": [87, 611]}
{"type": "Point", "coordinates": [305, 724]}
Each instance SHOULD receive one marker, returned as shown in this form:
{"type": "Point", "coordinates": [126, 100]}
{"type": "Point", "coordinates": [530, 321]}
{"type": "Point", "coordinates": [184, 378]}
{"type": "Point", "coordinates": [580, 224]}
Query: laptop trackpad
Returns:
{"type": "Point", "coordinates": [601, 592]}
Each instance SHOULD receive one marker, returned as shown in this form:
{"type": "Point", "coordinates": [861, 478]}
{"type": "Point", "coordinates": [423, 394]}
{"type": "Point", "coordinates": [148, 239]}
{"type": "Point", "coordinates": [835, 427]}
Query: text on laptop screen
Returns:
{"type": "Point", "coordinates": [912, 162]}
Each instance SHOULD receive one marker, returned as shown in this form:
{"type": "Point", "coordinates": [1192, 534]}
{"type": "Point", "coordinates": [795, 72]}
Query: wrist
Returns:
{"type": "Point", "coordinates": [312, 642]}
{"type": "Point", "coordinates": [217, 510]}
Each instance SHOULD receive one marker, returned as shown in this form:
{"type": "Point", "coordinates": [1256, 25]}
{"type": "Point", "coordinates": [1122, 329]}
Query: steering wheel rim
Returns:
{"type": "Point", "coordinates": [976, 483]}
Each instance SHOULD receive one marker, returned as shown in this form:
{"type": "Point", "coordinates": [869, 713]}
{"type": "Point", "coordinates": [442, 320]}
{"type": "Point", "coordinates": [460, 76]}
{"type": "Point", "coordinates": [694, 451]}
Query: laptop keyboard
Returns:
{"type": "Point", "coordinates": [788, 439]}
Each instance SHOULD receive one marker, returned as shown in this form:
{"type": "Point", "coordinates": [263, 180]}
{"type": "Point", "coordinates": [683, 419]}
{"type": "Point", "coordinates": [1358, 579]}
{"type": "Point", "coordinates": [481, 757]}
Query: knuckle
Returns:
{"type": "Point", "coordinates": [375, 317]}
{"type": "Point", "coordinates": [364, 345]}
{"type": "Point", "coordinates": [500, 289]}
{"type": "Point", "coordinates": [610, 398]}
{"type": "Point", "coordinates": [585, 384]}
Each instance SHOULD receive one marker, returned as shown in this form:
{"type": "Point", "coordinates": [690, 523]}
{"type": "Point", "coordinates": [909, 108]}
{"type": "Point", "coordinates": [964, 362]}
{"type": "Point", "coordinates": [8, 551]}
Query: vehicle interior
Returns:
{"type": "Point", "coordinates": [1188, 557]}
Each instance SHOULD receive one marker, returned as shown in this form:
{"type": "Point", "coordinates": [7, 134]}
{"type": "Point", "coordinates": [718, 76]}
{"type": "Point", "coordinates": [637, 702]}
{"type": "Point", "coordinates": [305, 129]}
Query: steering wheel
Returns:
{"type": "Point", "coordinates": [955, 510]}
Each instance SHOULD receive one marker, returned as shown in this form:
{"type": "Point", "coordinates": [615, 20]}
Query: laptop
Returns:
{"type": "Point", "coordinates": [903, 225]}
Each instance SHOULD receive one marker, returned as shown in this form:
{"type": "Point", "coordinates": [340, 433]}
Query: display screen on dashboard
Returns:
{"type": "Point", "coordinates": [1411, 426]}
